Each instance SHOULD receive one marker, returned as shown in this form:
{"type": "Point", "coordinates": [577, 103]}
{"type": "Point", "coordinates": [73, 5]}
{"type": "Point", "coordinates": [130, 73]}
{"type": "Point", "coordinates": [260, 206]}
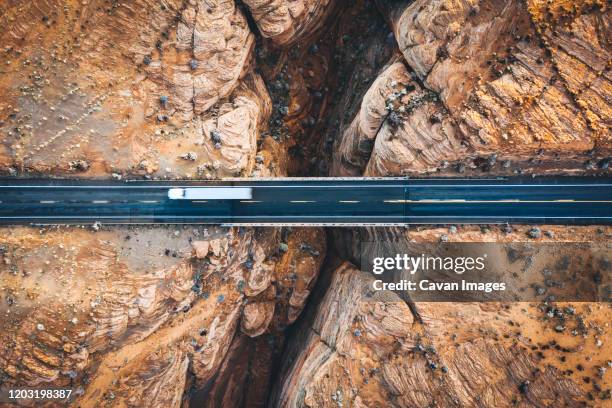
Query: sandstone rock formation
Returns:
{"type": "Point", "coordinates": [289, 21]}
{"type": "Point", "coordinates": [380, 141]}
{"type": "Point", "coordinates": [476, 87]}
{"type": "Point", "coordinates": [203, 89]}
{"type": "Point", "coordinates": [361, 348]}
{"type": "Point", "coordinates": [129, 90]}
{"type": "Point", "coordinates": [122, 317]}
{"type": "Point", "coordinates": [486, 84]}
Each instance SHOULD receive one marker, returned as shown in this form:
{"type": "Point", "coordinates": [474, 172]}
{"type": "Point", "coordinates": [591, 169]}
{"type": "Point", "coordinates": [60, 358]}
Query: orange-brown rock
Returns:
{"type": "Point", "coordinates": [360, 349]}
{"type": "Point", "coordinates": [124, 312]}
{"type": "Point", "coordinates": [381, 140]}
{"type": "Point", "coordinates": [137, 88]}
{"type": "Point", "coordinates": [194, 316]}
{"type": "Point", "coordinates": [287, 21]}
{"type": "Point", "coordinates": [496, 85]}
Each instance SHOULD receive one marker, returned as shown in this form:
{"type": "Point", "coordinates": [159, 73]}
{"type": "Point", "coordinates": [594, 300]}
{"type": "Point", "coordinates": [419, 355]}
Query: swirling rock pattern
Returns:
{"type": "Point", "coordinates": [519, 82]}
{"type": "Point", "coordinates": [356, 347]}
{"type": "Point", "coordinates": [287, 21]}
{"type": "Point", "coordinates": [122, 313]}
{"type": "Point", "coordinates": [124, 90]}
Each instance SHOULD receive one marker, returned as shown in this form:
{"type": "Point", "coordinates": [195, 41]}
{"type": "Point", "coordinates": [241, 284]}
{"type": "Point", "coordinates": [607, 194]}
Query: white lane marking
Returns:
{"type": "Point", "coordinates": [349, 201]}
{"type": "Point", "coordinates": [100, 201]}
{"type": "Point", "coordinates": [501, 185]}
{"type": "Point", "coordinates": [47, 202]}
{"type": "Point", "coordinates": [301, 201]}
{"type": "Point", "coordinates": [250, 201]}
{"type": "Point", "coordinates": [302, 216]}
{"type": "Point", "coordinates": [357, 183]}
{"type": "Point", "coordinates": [148, 201]}
{"type": "Point", "coordinates": [497, 201]}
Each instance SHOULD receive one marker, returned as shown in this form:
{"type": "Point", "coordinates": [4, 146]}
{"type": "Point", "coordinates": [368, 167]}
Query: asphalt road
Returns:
{"type": "Point", "coordinates": [357, 201]}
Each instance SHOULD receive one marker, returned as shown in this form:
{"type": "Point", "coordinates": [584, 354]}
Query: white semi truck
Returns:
{"type": "Point", "coordinates": [211, 193]}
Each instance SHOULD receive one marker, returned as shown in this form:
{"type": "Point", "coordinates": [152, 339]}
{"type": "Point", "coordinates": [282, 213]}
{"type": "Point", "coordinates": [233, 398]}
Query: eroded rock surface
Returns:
{"type": "Point", "coordinates": [139, 88]}
{"type": "Point", "coordinates": [503, 84]}
{"type": "Point", "coordinates": [380, 141]}
{"type": "Point", "coordinates": [287, 21]}
{"type": "Point", "coordinates": [175, 317]}
{"type": "Point", "coordinates": [123, 313]}
{"type": "Point", "coordinates": [361, 348]}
